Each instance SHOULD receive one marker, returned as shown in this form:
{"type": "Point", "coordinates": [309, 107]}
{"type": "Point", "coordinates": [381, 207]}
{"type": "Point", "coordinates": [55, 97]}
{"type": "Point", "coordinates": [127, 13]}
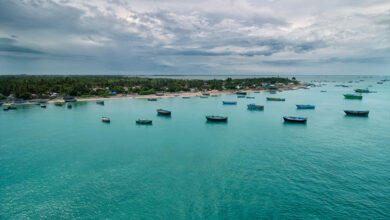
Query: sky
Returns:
{"type": "Point", "coordinates": [208, 37]}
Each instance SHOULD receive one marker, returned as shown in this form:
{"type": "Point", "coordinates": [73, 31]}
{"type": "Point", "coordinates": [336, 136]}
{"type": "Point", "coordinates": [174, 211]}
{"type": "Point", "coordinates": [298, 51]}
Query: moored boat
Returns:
{"type": "Point", "coordinates": [352, 96]}
{"type": "Point", "coordinates": [292, 119]}
{"type": "Point", "coordinates": [306, 107]}
{"type": "Point", "coordinates": [240, 93]}
{"type": "Point", "coordinates": [250, 97]}
{"type": "Point", "coordinates": [69, 105]}
{"type": "Point", "coordinates": [100, 102]}
{"type": "Point", "coordinates": [356, 113]}
{"type": "Point", "coordinates": [240, 96]}
{"type": "Point", "coordinates": [163, 112]}
{"type": "Point", "coordinates": [106, 119]}
{"type": "Point", "coordinates": [9, 107]}
{"type": "Point", "coordinates": [152, 99]}
{"type": "Point", "coordinates": [229, 102]}
{"type": "Point", "coordinates": [275, 99]}
{"type": "Point", "coordinates": [216, 118]}
{"type": "Point", "coordinates": [143, 122]}
{"type": "Point", "coordinates": [203, 97]}
{"type": "Point", "coordinates": [42, 105]}
{"type": "Point", "coordinates": [206, 94]}
{"type": "Point", "coordinates": [362, 90]}
{"type": "Point", "coordinates": [253, 106]}
{"type": "Point", "coordinates": [58, 103]}
{"type": "Point", "coordinates": [186, 97]}
{"type": "Point", "coordinates": [1, 103]}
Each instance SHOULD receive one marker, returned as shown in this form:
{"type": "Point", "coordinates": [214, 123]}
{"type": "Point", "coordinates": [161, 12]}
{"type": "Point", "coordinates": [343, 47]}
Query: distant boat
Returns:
{"type": "Point", "coordinates": [163, 112]}
{"type": "Point", "coordinates": [152, 99]}
{"type": "Point", "coordinates": [143, 122]}
{"type": "Point", "coordinates": [352, 96]}
{"type": "Point", "coordinates": [240, 93]}
{"type": "Point", "coordinates": [229, 102]}
{"type": "Point", "coordinates": [9, 107]}
{"type": "Point", "coordinates": [176, 95]}
{"type": "Point", "coordinates": [69, 105]}
{"type": "Point", "coordinates": [250, 97]}
{"type": "Point", "coordinates": [257, 91]}
{"type": "Point", "coordinates": [323, 91]}
{"type": "Point", "coordinates": [186, 97]}
{"type": "Point", "coordinates": [253, 106]}
{"type": "Point", "coordinates": [205, 94]}
{"type": "Point", "coordinates": [20, 102]}
{"type": "Point", "coordinates": [272, 92]}
{"type": "Point", "coordinates": [159, 94]}
{"type": "Point", "coordinates": [100, 102]}
{"type": "Point", "coordinates": [105, 119]}
{"type": "Point", "coordinates": [379, 82]}
{"type": "Point", "coordinates": [292, 119]}
{"type": "Point", "coordinates": [356, 113]}
{"type": "Point", "coordinates": [204, 97]}
{"type": "Point", "coordinates": [240, 96]}
{"type": "Point", "coordinates": [42, 105]}
{"type": "Point", "coordinates": [362, 90]}
{"type": "Point", "coordinates": [216, 118]}
{"type": "Point", "coordinates": [306, 107]}
{"type": "Point", "coordinates": [275, 99]}
{"type": "Point", "coordinates": [214, 95]}
{"type": "Point", "coordinates": [58, 103]}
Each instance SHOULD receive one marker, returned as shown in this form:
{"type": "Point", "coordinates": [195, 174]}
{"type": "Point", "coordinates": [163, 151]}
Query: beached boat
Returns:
{"type": "Point", "coordinates": [250, 97]}
{"type": "Point", "coordinates": [272, 92]}
{"type": "Point", "coordinates": [205, 94]}
{"type": "Point", "coordinates": [352, 96]}
{"type": "Point", "coordinates": [306, 107]}
{"type": "Point", "coordinates": [69, 105]}
{"type": "Point", "coordinates": [42, 105]}
{"type": "Point", "coordinates": [159, 94]}
{"type": "Point", "coordinates": [143, 122]}
{"type": "Point", "coordinates": [240, 93]}
{"type": "Point", "coordinates": [216, 118]}
{"type": "Point", "coordinates": [105, 119]}
{"type": "Point", "coordinates": [356, 113]}
{"type": "Point", "coordinates": [100, 102]}
{"type": "Point", "coordinates": [362, 90]}
{"type": "Point", "coordinates": [229, 102]}
{"type": "Point", "coordinates": [152, 99]}
{"type": "Point", "coordinates": [292, 119]}
{"type": "Point", "coordinates": [253, 106]}
{"type": "Point", "coordinates": [275, 99]}
{"type": "Point", "coordinates": [58, 103]}
{"type": "Point", "coordinates": [163, 112]}
{"type": "Point", "coordinates": [240, 96]}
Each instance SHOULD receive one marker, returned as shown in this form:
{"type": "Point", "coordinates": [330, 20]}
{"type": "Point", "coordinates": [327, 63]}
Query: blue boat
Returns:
{"type": "Point", "coordinates": [1, 103]}
{"type": "Point", "coordinates": [163, 112]}
{"type": "Point", "coordinates": [357, 113]}
{"type": "Point", "coordinates": [42, 101]}
{"type": "Point", "coordinates": [20, 102]}
{"type": "Point", "coordinates": [229, 102]}
{"type": "Point", "coordinates": [306, 107]}
{"type": "Point", "coordinates": [253, 106]}
{"type": "Point", "coordinates": [292, 119]}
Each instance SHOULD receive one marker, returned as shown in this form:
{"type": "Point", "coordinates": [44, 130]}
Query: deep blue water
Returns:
{"type": "Point", "coordinates": [65, 163]}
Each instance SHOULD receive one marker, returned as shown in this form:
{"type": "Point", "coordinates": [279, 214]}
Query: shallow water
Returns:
{"type": "Point", "coordinates": [65, 163]}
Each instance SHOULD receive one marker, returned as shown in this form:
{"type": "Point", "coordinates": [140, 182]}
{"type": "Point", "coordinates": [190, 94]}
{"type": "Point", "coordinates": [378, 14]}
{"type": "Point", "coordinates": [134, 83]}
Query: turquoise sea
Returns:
{"type": "Point", "coordinates": [59, 163]}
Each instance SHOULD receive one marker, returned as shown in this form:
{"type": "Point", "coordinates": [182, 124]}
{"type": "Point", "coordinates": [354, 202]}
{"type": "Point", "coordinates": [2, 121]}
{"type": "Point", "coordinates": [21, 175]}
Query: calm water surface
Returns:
{"type": "Point", "coordinates": [65, 163]}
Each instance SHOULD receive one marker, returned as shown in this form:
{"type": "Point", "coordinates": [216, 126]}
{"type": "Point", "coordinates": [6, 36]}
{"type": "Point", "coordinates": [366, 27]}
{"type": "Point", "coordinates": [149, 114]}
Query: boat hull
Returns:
{"type": "Point", "coordinates": [229, 103]}
{"type": "Point", "coordinates": [357, 113]}
{"type": "Point", "coordinates": [255, 107]}
{"type": "Point", "coordinates": [216, 118]}
{"type": "Point", "coordinates": [350, 96]}
{"type": "Point", "coordinates": [144, 122]}
{"type": "Point", "coordinates": [276, 99]}
{"type": "Point", "coordinates": [295, 119]}
{"type": "Point", "coordinates": [163, 112]}
{"type": "Point", "coordinates": [306, 107]}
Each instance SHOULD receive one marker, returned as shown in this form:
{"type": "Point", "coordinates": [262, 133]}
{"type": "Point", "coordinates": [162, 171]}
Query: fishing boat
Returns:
{"type": "Point", "coordinates": [69, 105]}
{"type": "Point", "coordinates": [203, 97]}
{"type": "Point", "coordinates": [250, 97]}
{"type": "Point", "coordinates": [186, 97]}
{"type": "Point", "coordinates": [100, 102]}
{"type": "Point", "coordinates": [105, 119]}
{"type": "Point", "coordinates": [229, 102]}
{"type": "Point", "coordinates": [253, 106]}
{"type": "Point", "coordinates": [42, 105]}
{"type": "Point", "coordinates": [362, 90]}
{"type": "Point", "coordinates": [275, 99]}
{"type": "Point", "coordinates": [143, 122]}
{"type": "Point", "coordinates": [356, 113]}
{"type": "Point", "coordinates": [292, 119]}
{"type": "Point", "coordinates": [240, 93]}
{"type": "Point", "coordinates": [58, 103]}
{"type": "Point", "coordinates": [306, 107]}
{"type": "Point", "coordinates": [163, 112]}
{"type": "Point", "coordinates": [152, 99]}
{"type": "Point", "coordinates": [240, 96]}
{"type": "Point", "coordinates": [352, 96]}
{"type": "Point", "coordinates": [216, 118]}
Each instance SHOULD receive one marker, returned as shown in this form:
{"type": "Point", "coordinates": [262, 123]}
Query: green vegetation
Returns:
{"type": "Point", "coordinates": [27, 87]}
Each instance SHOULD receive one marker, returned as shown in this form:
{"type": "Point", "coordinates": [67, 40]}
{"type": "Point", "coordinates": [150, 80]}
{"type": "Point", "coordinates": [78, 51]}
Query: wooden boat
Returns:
{"type": "Point", "coordinates": [352, 96]}
{"type": "Point", "coordinates": [214, 95]}
{"type": "Point", "coordinates": [152, 99]}
{"type": "Point", "coordinates": [205, 94]}
{"type": "Point", "coordinates": [240, 93]}
{"type": "Point", "coordinates": [292, 119]}
{"type": "Point", "coordinates": [163, 112]}
{"type": "Point", "coordinates": [356, 113]}
{"type": "Point", "coordinates": [69, 105]}
{"type": "Point", "coordinates": [240, 96]}
{"type": "Point", "coordinates": [250, 97]}
{"type": "Point", "coordinates": [216, 118]}
{"type": "Point", "coordinates": [203, 97]}
{"type": "Point", "coordinates": [58, 103]}
{"type": "Point", "coordinates": [143, 122]}
{"type": "Point", "coordinates": [159, 94]}
{"type": "Point", "coordinates": [306, 107]}
{"type": "Point", "coordinates": [105, 119]}
{"type": "Point", "coordinates": [275, 99]}
{"type": "Point", "coordinates": [253, 106]}
{"type": "Point", "coordinates": [362, 90]}
{"type": "Point", "coordinates": [100, 102]}
{"type": "Point", "coordinates": [42, 105]}
{"type": "Point", "coordinates": [229, 102]}
{"type": "Point", "coordinates": [186, 97]}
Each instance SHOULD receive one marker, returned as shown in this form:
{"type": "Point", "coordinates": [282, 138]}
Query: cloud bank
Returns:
{"type": "Point", "coordinates": [187, 37]}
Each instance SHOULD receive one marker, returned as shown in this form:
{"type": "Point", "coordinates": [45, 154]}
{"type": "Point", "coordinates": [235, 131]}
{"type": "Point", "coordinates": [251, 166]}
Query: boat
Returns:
{"type": "Point", "coordinates": [58, 103]}
{"type": "Point", "coordinates": [306, 107]}
{"type": "Point", "coordinates": [214, 95]}
{"type": "Point", "coordinates": [105, 119]}
{"type": "Point", "coordinates": [152, 99]}
{"type": "Point", "coordinates": [362, 90]}
{"type": "Point", "coordinates": [257, 91]}
{"type": "Point", "coordinates": [1, 103]}
{"type": "Point", "coordinates": [203, 97]}
{"type": "Point", "coordinates": [143, 122]}
{"type": "Point", "coordinates": [240, 93]}
{"type": "Point", "coordinates": [292, 119]}
{"type": "Point", "coordinates": [186, 97]}
{"type": "Point", "coordinates": [240, 96]}
{"type": "Point", "coordinates": [42, 101]}
{"type": "Point", "coordinates": [356, 113]}
{"type": "Point", "coordinates": [159, 94]}
{"type": "Point", "coordinates": [205, 94]}
{"type": "Point", "coordinates": [69, 105]}
{"type": "Point", "coordinates": [272, 92]}
{"type": "Point", "coordinates": [163, 112]}
{"type": "Point", "coordinates": [275, 99]}
{"type": "Point", "coordinates": [250, 97]}
{"type": "Point", "coordinates": [379, 82]}
{"type": "Point", "coordinates": [9, 107]}
{"type": "Point", "coordinates": [20, 102]}
{"type": "Point", "coordinates": [253, 106]}
{"type": "Point", "coordinates": [42, 105]}
{"type": "Point", "coordinates": [323, 91]}
{"type": "Point", "coordinates": [229, 102]}
{"type": "Point", "coordinates": [216, 118]}
{"type": "Point", "coordinates": [352, 96]}
{"type": "Point", "coordinates": [176, 95]}
{"type": "Point", "coordinates": [100, 102]}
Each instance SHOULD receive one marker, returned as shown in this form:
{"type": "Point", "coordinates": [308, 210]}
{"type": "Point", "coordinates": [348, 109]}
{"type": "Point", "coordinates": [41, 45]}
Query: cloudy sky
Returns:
{"type": "Point", "coordinates": [194, 37]}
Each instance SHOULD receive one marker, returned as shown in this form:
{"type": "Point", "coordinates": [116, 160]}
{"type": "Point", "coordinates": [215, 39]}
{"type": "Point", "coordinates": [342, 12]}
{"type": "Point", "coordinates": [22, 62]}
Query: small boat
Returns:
{"type": "Point", "coordinates": [352, 96]}
{"type": "Point", "coordinates": [58, 103]}
{"type": "Point", "coordinates": [250, 97]}
{"type": "Point", "coordinates": [214, 95]}
{"type": "Point", "coordinates": [293, 119]}
{"type": "Point", "coordinates": [105, 119]}
{"type": "Point", "coordinates": [152, 99]}
{"type": "Point", "coordinates": [42, 105]}
{"type": "Point", "coordinates": [205, 94]}
{"type": "Point", "coordinates": [253, 106]}
{"type": "Point", "coordinates": [20, 102]}
{"type": "Point", "coordinates": [229, 102]}
{"type": "Point", "coordinates": [159, 94]}
{"type": "Point", "coordinates": [272, 92]}
{"type": "Point", "coordinates": [176, 95]}
{"type": "Point", "coordinates": [275, 99]}
{"type": "Point", "coordinates": [1, 103]}
{"type": "Point", "coordinates": [323, 91]}
{"type": "Point", "coordinates": [362, 90]}
{"type": "Point", "coordinates": [356, 113]}
{"type": "Point", "coordinates": [379, 82]}
{"type": "Point", "coordinates": [216, 118]}
{"type": "Point", "coordinates": [203, 97]}
{"type": "Point", "coordinates": [257, 91]}
{"type": "Point", "coordinates": [306, 107]}
{"type": "Point", "coordinates": [240, 93]}
{"type": "Point", "coordinates": [143, 122]}
{"type": "Point", "coordinates": [186, 97]}
{"type": "Point", "coordinates": [9, 107]}
{"type": "Point", "coordinates": [42, 101]}
{"type": "Point", "coordinates": [163, 112]}
{"type": "Point", "coordinates": [69, 105]}
{"type": "Point", "coordinates": [240, 96]}
{"type": "Point", "coordinates": [100, 102]}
